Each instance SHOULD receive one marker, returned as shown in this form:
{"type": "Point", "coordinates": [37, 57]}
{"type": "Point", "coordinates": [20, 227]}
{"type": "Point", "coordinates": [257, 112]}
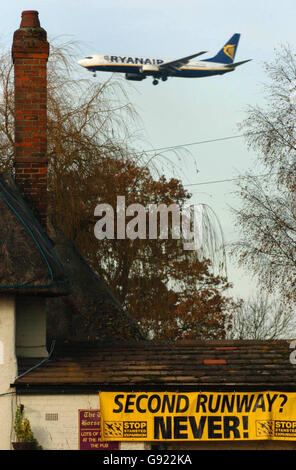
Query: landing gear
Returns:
{"type": "Point", "coordinates": [156, 80]}
{"type": "Point", "coordinates": [94, 74]}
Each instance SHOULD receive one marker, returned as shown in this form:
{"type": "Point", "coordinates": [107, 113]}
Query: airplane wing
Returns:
{"type": "Point", "coordinates": [176, 64]}
{"type": "Point", "coordinates": [237, 63]}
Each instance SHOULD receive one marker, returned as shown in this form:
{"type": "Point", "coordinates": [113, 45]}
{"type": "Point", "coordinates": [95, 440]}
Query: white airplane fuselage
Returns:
{"type": "Point", "coordinates": [149, 66]}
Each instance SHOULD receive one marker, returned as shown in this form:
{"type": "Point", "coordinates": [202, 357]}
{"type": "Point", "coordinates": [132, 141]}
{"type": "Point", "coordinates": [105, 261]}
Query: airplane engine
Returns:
{"type": "Point", "coordinates": [134, 76]}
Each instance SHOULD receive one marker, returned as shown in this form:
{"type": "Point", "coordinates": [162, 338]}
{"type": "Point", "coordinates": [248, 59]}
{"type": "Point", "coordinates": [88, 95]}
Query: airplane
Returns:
{"type": "Point", "coordinates": [138, 68]}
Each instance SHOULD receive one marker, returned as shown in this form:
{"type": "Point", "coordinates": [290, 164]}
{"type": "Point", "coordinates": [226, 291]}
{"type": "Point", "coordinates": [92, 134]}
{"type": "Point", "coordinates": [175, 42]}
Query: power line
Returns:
{"type": "Point", "coordinates": [223, 181]}
{"type": "Point", "coordinates": [199, 142]}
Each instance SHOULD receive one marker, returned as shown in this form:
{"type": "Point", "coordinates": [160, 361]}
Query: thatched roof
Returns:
{"type": "Point", "coordinates": [31, 263]}
{"type": "Point", "coordinates": [28, 262]}
{"type": "Point", "coordinates": [90, 311]}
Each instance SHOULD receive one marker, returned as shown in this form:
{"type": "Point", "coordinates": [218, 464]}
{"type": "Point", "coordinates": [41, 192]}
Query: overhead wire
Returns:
{"type": "Point", "coordinates": [199, 142]}
{"type": "Point", "coordinates": [225, 180]}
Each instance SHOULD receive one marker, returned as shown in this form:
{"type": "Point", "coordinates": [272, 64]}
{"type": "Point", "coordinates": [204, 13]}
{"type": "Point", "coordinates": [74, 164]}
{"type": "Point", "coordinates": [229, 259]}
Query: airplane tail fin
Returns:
{"type": "Point", "coordinates": [227, 53]}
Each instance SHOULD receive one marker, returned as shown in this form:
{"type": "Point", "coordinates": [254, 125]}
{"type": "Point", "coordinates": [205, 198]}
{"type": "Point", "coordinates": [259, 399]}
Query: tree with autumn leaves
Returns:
{"type": "Point", "coordinates": [173, 293]}
{"type": "Point", "coordinates": [170, 291]}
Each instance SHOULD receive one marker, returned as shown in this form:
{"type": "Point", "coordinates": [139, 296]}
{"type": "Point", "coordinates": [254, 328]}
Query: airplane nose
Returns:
{"type": "Point", "coordinates": [82, 62]}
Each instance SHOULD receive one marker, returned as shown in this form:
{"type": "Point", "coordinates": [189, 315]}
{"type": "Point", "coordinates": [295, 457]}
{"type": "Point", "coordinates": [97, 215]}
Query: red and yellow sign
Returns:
{"type": "Point", "coordinates": [90, 432]}
{"type": "Point", "coordinates": [203, 416]}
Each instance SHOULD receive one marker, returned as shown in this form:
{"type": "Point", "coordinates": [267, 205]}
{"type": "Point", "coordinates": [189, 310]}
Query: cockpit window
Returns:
{"type": "Point", "coordinates": [89, 57]}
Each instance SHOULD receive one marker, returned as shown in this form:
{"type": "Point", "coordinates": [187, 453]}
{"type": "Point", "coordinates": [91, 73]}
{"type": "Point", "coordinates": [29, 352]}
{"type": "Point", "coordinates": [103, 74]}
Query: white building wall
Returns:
{"type": "Point", "coordinates": [8, 369]}
{"type": "Point", "coordinates": [63, 433]}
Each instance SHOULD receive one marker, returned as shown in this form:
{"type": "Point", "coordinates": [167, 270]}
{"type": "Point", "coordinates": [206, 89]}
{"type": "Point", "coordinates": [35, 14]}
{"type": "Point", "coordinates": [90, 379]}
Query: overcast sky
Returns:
{"type": "Point", "coordinates": [180, 110]}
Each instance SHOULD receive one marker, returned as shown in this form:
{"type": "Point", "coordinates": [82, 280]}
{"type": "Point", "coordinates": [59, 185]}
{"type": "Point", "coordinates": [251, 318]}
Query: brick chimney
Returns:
{"type": "Point", "coordinates": [30, 51]}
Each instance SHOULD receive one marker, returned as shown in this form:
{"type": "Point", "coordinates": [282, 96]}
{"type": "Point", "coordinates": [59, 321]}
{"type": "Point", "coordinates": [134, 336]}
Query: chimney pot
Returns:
{"type": "Point", "coordinates": [30, 19]}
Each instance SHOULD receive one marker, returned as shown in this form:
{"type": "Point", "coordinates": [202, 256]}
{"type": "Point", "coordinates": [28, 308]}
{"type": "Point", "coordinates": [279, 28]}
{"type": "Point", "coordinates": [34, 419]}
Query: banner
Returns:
{"type": "Point", "coordinates": [203, 416]}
